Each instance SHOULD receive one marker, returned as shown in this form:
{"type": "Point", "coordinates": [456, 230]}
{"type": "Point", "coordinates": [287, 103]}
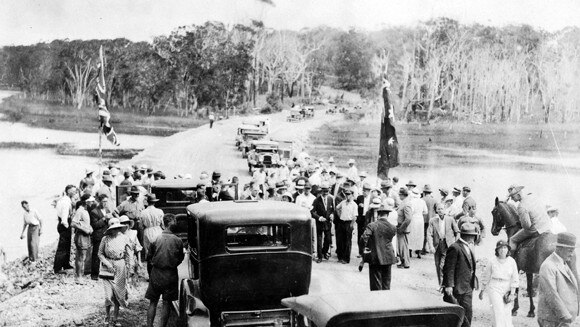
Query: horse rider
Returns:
{"type": "Point", "coordinates": [532, 216]}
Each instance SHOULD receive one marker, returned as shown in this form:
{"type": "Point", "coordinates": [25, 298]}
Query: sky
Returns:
{"type": "Point", "coordinates": [32, 21]}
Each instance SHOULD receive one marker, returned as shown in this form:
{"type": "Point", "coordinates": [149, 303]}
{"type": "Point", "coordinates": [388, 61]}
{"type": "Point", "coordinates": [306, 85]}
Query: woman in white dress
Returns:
{"type": "Point", "coordinates": [500, 280]}
{"type": "Point", "coordinates": [416, 234]}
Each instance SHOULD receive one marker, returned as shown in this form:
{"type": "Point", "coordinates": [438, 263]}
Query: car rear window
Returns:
{"type": "Point", "coordinates": [257, 237]}
{"type": "Point", "coordinates": [179, 196]}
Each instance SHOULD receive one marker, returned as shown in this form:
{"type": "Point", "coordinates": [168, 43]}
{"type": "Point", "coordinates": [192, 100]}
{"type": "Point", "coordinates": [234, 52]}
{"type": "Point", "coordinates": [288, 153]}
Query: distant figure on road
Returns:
{"type": "Point", "coordinates": [165, 255]}
{"type": "Point", "coordinates": [34, 223]}
{"type": "Point", "coordinates": [211, 119]}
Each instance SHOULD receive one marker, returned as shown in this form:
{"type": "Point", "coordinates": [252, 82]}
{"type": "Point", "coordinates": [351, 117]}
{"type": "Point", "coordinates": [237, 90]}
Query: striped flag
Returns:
{"type": "Point", "coordinates": [389, 146]}
{"type": "Point", "coordinates": [101, 95]}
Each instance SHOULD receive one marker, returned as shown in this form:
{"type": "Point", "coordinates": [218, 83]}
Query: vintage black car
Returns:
{"type": "Point", "coordinates": [394, 308]}
{"type": "Point", "coordinates": [244, 258]}
{"type": "Point", "coordinates": [263, 153]}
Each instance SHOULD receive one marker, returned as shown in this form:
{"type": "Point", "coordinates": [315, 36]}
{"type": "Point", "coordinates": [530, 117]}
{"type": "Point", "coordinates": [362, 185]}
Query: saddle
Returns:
{"type": "Point", "coordinates": [529, 252]}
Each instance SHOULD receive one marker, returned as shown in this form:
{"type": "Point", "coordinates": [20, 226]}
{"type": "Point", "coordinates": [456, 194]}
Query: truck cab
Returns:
{"type": "Point", "coordinates": [244, 258]}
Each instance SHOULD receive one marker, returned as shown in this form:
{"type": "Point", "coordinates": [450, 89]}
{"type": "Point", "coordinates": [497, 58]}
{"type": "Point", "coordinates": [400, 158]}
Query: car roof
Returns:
{"type": "Point", "coordinates": [325, 308]}
{"type": "Point", "coordinates": [265, 212]}
{"type": "Point", "coordinates": [175, 183]}
{"type": "Point", "coordinates": [264, 142]}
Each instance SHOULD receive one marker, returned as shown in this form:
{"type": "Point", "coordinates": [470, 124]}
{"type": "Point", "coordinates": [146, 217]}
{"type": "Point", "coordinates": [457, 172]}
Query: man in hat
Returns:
{"type": "Point", "coordinates": [132, 208]}
{"type": "Point", "coordinates": [558, 301]}
{"type": "Point", "coordinates": [33, 222]}
{"type": "Point", "coordinates": [557, 226]}
{"type": "Point", "coordinates": [410, 185]}
{"type": "Point", "coordinates": [352, 171]}
{"type": "Point", "coordinates": [468, 200]}
{"type": "Point", "coordinates": [441, 233]}
{"type": "Point", "coordinates": [127, 180]}
{"type": "Point", "coordinates": [107, 189]}
{"type": "Point", "coordinates": [151, 218]}
{"type": "Point", "coordinates": [323, 214]}
{"type": "Point", "coordinates": [83, 230]}
{"type": "Point", "coordinates": [99, 222]}
{"type": "Point", "coordinates": [377, 238]}
{"type": "Point", "coordinates": [88, 180]}
{"type": "Point", "coordinates": [346, 212]}
{"type": "Point", "coordinates": [388, 191]}
{"type": "Point", "coordinates": [473, 219]}
{"type": "Point", "coordinates": [363, 201]}
{"type": "Point", "coordinates": [280, 190]}
{"type": "Point", "coordinates": [532, 215]}
{"type": "Point", "coordinates": [430, 203]}
{"type": "Point", "coordinates": [362, 176]}
{"type": "Point", "coordinates": [405, 216]}
{"type": "Point", "coordinates": [306, 199]}
{"type": "Point", "coordinates": [457, 206]}
{"type": "Point", "coordinates": [165, 255]}
{"type": "Point", "coordinates": [200, 193]}
{"type": "Point", "coordinates": [443, 192]}
{"type": "Point", "coordinates": [459, 279]}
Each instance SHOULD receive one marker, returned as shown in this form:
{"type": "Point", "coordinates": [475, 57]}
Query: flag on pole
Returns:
{"type": "Point", "coordinates": [101, 94]}
{"type": "Point", "coordinates": [389, 146]}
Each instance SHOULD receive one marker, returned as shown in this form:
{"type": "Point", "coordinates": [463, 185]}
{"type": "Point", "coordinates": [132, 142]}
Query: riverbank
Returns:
{"type": "Point", "coordinates": [44, 114]}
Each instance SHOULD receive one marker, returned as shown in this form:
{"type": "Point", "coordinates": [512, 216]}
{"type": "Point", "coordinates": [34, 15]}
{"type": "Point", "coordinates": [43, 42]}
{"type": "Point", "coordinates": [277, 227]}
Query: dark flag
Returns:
{"type": "Point", "coordinates": [389, 146]}
{"type": "Point", "coordinates": [101, 95]}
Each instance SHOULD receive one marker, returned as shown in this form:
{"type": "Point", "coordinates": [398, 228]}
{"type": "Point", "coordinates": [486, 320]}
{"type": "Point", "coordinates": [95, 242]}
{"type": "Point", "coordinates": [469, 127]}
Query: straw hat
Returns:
{"type": "Point", "coordinates": [114, 223]}
{"type": "Point", "coordinates": [124, 220]}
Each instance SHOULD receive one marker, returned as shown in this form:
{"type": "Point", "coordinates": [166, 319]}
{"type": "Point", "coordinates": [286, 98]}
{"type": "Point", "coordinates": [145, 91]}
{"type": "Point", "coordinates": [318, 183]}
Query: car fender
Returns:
{"type": "Point", "coordinates": [192, 310]}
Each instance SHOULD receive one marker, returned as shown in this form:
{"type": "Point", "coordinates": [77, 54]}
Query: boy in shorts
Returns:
{"type": "Point", "coordinates": [164, 256]}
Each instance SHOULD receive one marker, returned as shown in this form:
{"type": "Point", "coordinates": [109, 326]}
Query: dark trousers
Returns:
{"type": "Point", "coordinates": [360, 229]}
{"type": "Point", "coordinates": [95, 262]}
{"type": "Point", "coordinates": [343, 240]}
{"type": "Point", "coordinates": [403, 249]}
{"type": "Point", "coordinates": [323, 239]}
{"type": "Point", "coordinates": [465, 301]}
{"type": "Point", "coordinates": [62, 256]}
{"type": "Point", "coordinates": [211, 123]}
{"type": "Point", "coordinates": [380, 277]}
{"type": "Point", "coordinates": [439, 256]}
{"type": "Point", "coordinates": [425, 227]}
{"type": "Point", "coordinates": [138, 226]}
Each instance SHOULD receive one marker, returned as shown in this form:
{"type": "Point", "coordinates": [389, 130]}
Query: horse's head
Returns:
{"type": "Point", "coordinates": [503, 216]}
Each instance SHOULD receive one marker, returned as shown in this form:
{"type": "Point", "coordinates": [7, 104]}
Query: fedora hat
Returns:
{"type": "Point", "coordinates": [300, 184]}
{"type": "Point", "coordinates": [107, 178]}
{"type": "Point", "coordinates": [550, 208]}
{"type": "Point", "coordinates": [566, 240]}
{"type": "Point", "coordinates": [151, 197]}
{"type": "Point", "coordinates": [427, 188]}
{"type": "Point", "coordinates": [324, 186]}
{"type": "Point", "coordinates": [388, 205]}
{"type": "Point", "coordinates": [115, 223]}
{"type": "Point", "coordinates": [134, 189]}
{"type": "Point", "coordinates": [411, 183]}
{"type": "Point", "coordinates": [280, 185]}
{"type": "Point", "coordinates": [456, 190]}
{"type": "Point", "coordinates": [331, 159]}
{"type": "Point", "coordinates": [444, 191]}
{"type": "Point", "coordinates": [468, 229]}
{"type": "Point", "coordinates": [124, 220]}
{"type": "Point", "coordinates": [351, 161]}
{"type": "Point", "coordinates": [386, 184]}
{"type": "Point", "coordinates": [467, 189]}
{"type": "Point", "coordinates": [403, 191]}
{"type": "Point", "coordinates": [362, 174]}
{"type": "Point", "coordinates": [89, 171]}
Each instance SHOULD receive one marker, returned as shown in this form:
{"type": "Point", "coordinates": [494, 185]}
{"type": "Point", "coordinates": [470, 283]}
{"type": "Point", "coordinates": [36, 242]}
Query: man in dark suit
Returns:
{"type": "Point", "coordinates": [377, 238]}
{"type": "Point", "coordinates": [99, 222]}
{"type": "Point", "coordinates": [323, 213]}
{"type": "Point", "coordinates": [459, 278]}
{"type": "Point", "coordinates": [363, 201]}
{"type": "Point", "coordinates": [441, 234]}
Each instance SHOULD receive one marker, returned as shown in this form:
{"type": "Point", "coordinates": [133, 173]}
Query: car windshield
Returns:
{"type": "Point", "coordinates": [257, 237]}
{"type": "Point", "coordinates": [179, 196]}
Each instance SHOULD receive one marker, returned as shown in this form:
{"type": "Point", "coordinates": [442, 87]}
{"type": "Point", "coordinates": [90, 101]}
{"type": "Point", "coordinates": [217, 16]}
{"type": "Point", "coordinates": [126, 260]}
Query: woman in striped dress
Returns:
{"type": "Point", "coordinates": [114, 255]}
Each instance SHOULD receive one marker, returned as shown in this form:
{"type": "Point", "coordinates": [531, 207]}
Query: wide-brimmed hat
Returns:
{"type": "Point", "coordinates": [107, 178]}
{"type": "Point", "coordinates": [351, 161]}
{"type": "Point", "coordinates": [347, 192]}
{"type": "Point", "coordinates": [403, 191]}
{"type": "Point", "coordinates": [280, 185]}
{"type": "Point", "coordinates": [387, 206]}
{"type": "Point", "coordinates": [324, 186]}
{"type": "Point", "coordinates": [456, 190]}
{"type": "Point", "coordinates": [502, 243]}
{"type": "Point", "coordinates": [467, 189]}
{"type": "Point", "coordinates": [375, 203]}
{"type": "Point", "coordinates": [416, 191]}
{"type": "Point", "coordinates": [566, 240]}
{"type": "Point", "coordinates": [89, 171]}
{"type": "Point", "coordinates": [411, 183]}
{"type": "Point", "coordinates": [87, 198]}
{"type": "Point", "coordinates": [124, 220]}
{"type": "Point", "coordinates": [427, 188]}
{"type": "Point", "coordinates": [468, 229]}
{"type": "Point", "coordinates": [366, 186]}
{"type": "Point", "coordinates": [134, 189]}
{"type": "Point", "coordinates": [444, 191]}
{"type": "Point", "coordinates": [515, 190]}
{"type": "Point", "coordinates": [386, 184]}
{"type": "Point", "coordinates": [151, 197]}
{"type": "Point", "coordinates": [115, 223]}
{"type": "Point", "coordinates": [331, 159]}
{"type": "Point", "coordinates": [362, 174]}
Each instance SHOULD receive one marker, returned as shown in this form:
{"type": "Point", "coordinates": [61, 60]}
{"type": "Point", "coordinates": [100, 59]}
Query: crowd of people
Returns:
{"type": "Point", "coordinates": [393, 223]}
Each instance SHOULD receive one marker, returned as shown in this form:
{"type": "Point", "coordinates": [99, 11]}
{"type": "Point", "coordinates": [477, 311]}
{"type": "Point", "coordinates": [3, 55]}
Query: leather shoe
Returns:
{"type": "Point", "coordinates": [361, 265]}
{"type": "Point", "coordinates": [318, 260]}
{"type": "Point", "coordinates": [399, 266]}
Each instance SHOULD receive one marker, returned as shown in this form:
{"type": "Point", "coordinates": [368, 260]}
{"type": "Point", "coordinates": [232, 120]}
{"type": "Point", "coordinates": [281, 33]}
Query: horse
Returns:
{"type": "Point", "coordinates": [528, 258]}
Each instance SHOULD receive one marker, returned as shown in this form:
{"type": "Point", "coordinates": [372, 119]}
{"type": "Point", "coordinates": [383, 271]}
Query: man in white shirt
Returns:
{"type": "Point", "coordinates": [457, 206]}
{"type": "Point", "coordinates": [306, 199]}
{"type": "Point", "coordinates": [34, 223]}
{"type": "Point", "coordinates": [64, 214]}
{"type": "Point", "coordinates": [352, 172]}
{"type": "Point", "coordinates": [346, 211]}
